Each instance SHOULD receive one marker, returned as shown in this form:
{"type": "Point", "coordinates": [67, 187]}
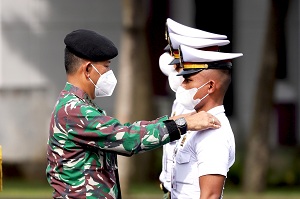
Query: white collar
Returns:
{"type": "Point", "coordinates": [216, 110]}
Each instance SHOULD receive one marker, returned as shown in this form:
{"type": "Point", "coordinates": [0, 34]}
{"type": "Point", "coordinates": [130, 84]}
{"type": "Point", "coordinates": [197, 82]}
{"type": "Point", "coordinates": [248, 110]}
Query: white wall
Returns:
{"type": "Point", "coordinates": [32, 67]}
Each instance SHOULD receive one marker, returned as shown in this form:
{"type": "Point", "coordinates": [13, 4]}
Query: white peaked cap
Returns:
{"type": "Point", "coordinates": [180, 29]}
{"type": "Point", "coordinates": [194, 42]}
{"type": "Point", "coordinates": [193, 60]}
{"type": "Point", "coordinates": [200, 56]}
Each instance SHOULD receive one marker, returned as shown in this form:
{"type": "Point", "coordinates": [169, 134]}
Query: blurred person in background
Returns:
{"type": "Point", "coordinates": [83, 141]}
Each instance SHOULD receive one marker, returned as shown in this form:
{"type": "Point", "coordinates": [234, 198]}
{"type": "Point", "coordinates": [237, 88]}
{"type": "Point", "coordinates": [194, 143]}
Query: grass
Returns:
{"type": "Point", "coordinates": [20, 189]}
{"type": "Point", "coordinates": [151, 191]}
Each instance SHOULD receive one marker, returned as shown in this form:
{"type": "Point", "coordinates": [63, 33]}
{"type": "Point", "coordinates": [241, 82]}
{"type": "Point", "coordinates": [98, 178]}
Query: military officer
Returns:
{"type": "Point", "coordinates": [175, 36]}
{"type": "Point", "coordinates": [202, 160]}
{"type": "Point", "coordinates": [83, 141]}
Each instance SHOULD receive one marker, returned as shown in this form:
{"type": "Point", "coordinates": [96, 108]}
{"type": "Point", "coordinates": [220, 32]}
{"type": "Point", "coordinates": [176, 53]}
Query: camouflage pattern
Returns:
{"type": "Point", "coordinates": [83, 145]}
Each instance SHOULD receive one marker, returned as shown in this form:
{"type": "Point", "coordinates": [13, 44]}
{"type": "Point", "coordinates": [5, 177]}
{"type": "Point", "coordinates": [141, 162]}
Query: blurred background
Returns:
{"type": "Point", "coordinates": [262, 102]}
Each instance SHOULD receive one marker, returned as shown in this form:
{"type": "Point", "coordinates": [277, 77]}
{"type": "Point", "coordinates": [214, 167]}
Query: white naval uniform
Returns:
{"type": "Point", "coordinates": [168, 150]}
{"type": "Point", "coordinates": [211, 151]}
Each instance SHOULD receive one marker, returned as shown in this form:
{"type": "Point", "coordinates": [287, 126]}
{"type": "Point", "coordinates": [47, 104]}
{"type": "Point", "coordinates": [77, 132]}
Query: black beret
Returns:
{"type": "Point", "coordinates": [90, 45]}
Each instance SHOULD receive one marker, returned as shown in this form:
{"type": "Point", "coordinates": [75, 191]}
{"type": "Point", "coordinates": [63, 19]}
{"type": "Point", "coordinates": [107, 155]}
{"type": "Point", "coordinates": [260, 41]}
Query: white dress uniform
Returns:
{"type": "Point", "coordinates": [201, 153]}
{"type": "Point", "coordinates": [178, 34]}
{"type": "Point", "coordinates": [168, 150]}
{"type": "Point", "coordinates": [181, 34]}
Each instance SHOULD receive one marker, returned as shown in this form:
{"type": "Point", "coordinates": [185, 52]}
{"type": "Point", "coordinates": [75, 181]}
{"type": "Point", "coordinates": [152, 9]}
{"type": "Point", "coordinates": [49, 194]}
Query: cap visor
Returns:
{"type": "Point", "coordinates": [189, 71]}
{"type": "Point", "coordinates": [175, 61]}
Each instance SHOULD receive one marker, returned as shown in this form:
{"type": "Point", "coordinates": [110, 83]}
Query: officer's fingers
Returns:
{"type": "Point", "coordinates": [199, 121]}
{"type": "Point", "coordinates": [214, 122]}
{"type": "Point", "coordinates": [210, 120]}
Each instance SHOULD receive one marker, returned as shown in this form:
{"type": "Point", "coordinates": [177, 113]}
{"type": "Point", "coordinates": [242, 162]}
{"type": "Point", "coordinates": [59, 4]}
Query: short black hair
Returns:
{"type": "Point", "coordinates": [71, 62]}
{"type": "Point", "coordinates": [226, 80]}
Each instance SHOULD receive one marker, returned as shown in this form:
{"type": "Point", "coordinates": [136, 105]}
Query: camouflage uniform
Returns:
{"type": "Point", "coordinates": [83, 145]}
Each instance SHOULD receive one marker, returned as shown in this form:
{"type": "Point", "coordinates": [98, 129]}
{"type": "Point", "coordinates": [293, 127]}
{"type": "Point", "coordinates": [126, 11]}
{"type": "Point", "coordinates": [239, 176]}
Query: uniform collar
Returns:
{"type": "Point", "coordinates": [216, 110]}
{"type": "Point", "coordinates": [70, 88]}
{"type": "Point", "coordinates": [76, 91]}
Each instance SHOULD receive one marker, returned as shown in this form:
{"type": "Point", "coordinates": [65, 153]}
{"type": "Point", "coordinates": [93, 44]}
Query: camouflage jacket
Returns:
{"type": "Point", "coordinates": [83, 145]}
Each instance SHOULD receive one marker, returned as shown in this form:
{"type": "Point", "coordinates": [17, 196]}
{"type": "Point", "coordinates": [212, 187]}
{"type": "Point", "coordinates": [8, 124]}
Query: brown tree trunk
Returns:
{"type": "Point", "coordinates": [257, 154]}
{"type": "Point", "coordinates": [134, 97]}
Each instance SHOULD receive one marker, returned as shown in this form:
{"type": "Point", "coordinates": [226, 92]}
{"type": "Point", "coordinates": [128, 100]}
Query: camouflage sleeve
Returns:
{"type": "Point", "coordinates": [145, 123]}
{"type": "Point", "coordinates": [86, 125]}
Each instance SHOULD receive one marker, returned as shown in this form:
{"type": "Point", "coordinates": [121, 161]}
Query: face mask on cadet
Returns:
{"type": "Point", "coordinates": [164, 66]}
{"type": "Point", "coordinates": [186, 97]}
{"type": "Point", "coordinates": [106, 83]}
{"type": "Point", "coordinates": [174, 80]}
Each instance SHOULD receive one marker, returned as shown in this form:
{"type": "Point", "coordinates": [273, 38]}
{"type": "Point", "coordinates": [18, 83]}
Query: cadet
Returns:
{"type": "Point", "coordinates": [202, 160]}
{"type": "Point", "coordinates": [83, 141]}
{"type": "Point", "coordinates": [174, 40]}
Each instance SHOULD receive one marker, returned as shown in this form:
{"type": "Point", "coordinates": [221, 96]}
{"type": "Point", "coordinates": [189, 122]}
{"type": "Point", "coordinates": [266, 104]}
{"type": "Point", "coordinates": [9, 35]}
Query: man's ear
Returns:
{"type": "Point", "coordinates": [212, 86]}
{"type": "Point", "coordinates": [86, 68]}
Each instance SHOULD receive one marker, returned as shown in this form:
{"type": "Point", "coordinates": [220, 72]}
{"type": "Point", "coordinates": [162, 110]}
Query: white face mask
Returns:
{"type": "Point", "coordinates": [186, 97]}
{"type": "Point", "coordinates": [164, 66]}
{"type": "Point", "coordinates": [174, 80]}
{"type": "Point", "coordinates": [106, 83]}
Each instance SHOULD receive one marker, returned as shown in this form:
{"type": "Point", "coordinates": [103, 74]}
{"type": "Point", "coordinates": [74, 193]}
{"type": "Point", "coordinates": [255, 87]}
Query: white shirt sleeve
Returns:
{"type": "Point", "coordinates": [213, 153]}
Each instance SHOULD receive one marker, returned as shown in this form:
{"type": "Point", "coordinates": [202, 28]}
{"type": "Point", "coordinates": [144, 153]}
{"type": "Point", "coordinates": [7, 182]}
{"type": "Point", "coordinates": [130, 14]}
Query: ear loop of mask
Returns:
{"type": "Point", "coordinates": [97, 72]}
{"type": "Point", "coordinates": [201, 87]}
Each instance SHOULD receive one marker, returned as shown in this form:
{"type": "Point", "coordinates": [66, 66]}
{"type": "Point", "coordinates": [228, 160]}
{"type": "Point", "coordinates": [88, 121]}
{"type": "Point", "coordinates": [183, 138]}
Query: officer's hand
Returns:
{"type": "Point", "coordinates": [201, 121]}
{"type": "Point", "coordinates": [182, 115]}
